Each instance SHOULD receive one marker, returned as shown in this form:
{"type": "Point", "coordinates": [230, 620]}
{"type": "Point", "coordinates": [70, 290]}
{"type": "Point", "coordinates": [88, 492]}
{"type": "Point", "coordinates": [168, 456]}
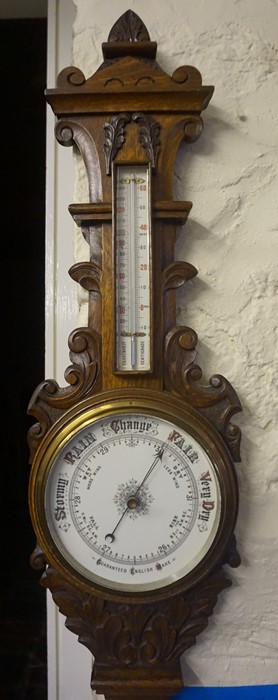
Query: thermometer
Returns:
{"type": "Point", "coordinates": [132, 238]}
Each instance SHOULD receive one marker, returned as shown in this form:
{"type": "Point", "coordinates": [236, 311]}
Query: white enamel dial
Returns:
{"type": "Point", "coordinates": [132, 501]}
{"type": "Point", "coordinates": [132, 263]}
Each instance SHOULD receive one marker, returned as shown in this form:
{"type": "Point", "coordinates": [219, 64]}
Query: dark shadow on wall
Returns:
{"type": "Point", "coordinates": [23, 124]}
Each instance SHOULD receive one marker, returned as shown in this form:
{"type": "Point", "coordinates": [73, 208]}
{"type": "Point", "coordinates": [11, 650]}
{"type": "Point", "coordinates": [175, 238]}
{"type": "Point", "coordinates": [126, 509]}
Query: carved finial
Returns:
{"type": "Point", "coordinates": [129, 27]}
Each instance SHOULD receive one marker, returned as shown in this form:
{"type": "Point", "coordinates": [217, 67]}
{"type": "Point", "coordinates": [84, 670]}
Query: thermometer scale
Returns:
{"type": "Point", "coordinates": [132, 262]}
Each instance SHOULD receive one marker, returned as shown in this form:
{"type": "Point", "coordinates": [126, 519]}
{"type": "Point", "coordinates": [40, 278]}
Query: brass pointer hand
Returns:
{"type": "Point", "coordinates": [133, 502]}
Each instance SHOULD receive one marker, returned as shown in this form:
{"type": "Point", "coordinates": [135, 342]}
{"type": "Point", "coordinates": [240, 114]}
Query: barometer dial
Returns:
{"type": "Point", "coordinates": [132, 500]}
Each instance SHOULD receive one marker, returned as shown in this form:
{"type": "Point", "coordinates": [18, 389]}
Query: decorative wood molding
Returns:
{"type": "Point", "coordinates": [218, 400]}
{"type": "Point", "coordinates": [68, 133]}
{"type": "Point", "coordinates": [148, 136]}
{"type": "Point", "coordinates": [114, 138]}
{"type": "Point", "coordinates": [88, 275]}
{"type": "Point", "coordinates": [176, 274]}
{"type": "Point", "coordinates": [49, 400]}
{"type": "Point", "coordinates": [180, 353]}
{"type": "Point", "coordinates": [222, 398]}
{"type": "Point", "coordinates": [129, 27]}
{"type": "Point", "coordinates": [143, 82]}
{"type": "Point", "coordinates": [193, 127]}
{"type": "Point", "coordinates": [136, 637]}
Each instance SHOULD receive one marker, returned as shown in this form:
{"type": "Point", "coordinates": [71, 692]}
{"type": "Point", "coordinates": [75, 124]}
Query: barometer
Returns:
{"type": "Point", "coordinates": [133, 490]}
{"type": "Point", "coordinates": [134, 495]}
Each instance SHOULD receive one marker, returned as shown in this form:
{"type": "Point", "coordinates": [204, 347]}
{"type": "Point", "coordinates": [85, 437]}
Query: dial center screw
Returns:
{"type": "Point", "coordinates": [132, 503]}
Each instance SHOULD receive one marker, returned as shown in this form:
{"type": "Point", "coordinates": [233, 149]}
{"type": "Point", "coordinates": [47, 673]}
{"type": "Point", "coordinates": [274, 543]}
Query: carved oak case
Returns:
{"type": "Point", "coordinates": [131, 113]}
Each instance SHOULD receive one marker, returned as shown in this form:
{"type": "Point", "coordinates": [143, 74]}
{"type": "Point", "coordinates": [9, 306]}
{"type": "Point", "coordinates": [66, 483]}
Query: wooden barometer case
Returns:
{"type": "Point", "coordinates": [133, 491]}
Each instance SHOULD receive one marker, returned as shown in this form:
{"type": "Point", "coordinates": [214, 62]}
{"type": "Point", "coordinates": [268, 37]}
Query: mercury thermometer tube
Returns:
{"type": "Point", "coordinates": [133, 269]}
{"type": "Point", "coordinates": [132, 261]}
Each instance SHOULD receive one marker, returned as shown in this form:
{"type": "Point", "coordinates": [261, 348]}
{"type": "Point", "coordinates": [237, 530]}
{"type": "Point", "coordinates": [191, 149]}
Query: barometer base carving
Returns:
{"type": "Point", "coordinates": [139, 645]}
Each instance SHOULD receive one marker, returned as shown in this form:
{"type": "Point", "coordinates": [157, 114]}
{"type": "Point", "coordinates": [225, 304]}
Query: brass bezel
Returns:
{"type": "Point", "coordinates": [165, 406]}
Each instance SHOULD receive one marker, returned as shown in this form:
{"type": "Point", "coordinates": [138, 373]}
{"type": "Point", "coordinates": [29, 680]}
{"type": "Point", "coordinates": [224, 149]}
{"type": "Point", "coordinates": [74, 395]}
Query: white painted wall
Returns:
{"type": "Point", "coordinates": [230, 174]}
{"type": "Point", "coordinates": [69, 664]}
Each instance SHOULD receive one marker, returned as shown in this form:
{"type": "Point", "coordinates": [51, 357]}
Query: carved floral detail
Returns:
{"type": "Point", "coordinates": [148, 136]}
{"type": "Point", "coordinates": [137, 634]}
{"type": "Point", "coordinates": [129, 27]}
{"type": "Point", "coordinates": [114, 137]}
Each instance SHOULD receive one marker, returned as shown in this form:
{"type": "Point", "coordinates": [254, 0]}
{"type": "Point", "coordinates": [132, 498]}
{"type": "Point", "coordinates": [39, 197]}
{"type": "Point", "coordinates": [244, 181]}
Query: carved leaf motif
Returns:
{"type": "Point", "coordinates": [139, 617]}
{"type": "Point", "coordinates": [114, 137]}
{"type": "Point", "coordinates": [110, 635]}
{"type": "Point", "coordinates": [201, 602]}
{"type": "Point", "coordinates": [148, 136]}
{"type": "Point", "coordinates": [162, 636]}
{"type": "Point", "coordinates": [144, 634]}
{"type": "Point", "coordinates": [127, 654]}
{"type": "Point", "coordinates": [129, 27]}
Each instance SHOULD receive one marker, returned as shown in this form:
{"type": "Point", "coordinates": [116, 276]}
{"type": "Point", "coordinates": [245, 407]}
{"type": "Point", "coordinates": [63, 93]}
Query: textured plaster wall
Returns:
{"type": "Point", "coordinates": [230, 175]}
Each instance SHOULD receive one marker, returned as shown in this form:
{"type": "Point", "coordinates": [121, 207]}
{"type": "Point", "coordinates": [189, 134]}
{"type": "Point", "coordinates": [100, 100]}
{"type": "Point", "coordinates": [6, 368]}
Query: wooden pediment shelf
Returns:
{"type": "Point", "coordinates": [129, 79]}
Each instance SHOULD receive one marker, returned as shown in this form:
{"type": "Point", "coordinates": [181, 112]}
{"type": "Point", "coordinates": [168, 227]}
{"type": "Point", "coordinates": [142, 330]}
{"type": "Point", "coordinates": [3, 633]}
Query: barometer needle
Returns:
{"type": "Point", "coordinates": [153, 465]}
{"type": "Point", "coordinates": [110, 537]}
